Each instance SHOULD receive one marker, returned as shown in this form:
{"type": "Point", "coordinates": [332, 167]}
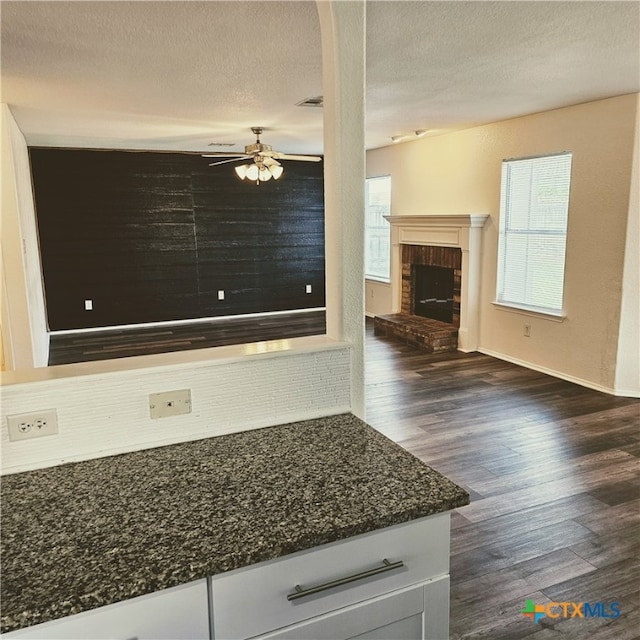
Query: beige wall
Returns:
{"type": "Point", "coordinates": [460, 173]}
{"type": "Point", "coordinates": [377, 298]}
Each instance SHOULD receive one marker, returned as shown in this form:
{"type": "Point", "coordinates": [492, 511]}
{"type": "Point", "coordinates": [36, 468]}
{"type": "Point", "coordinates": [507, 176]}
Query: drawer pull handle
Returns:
{"type": "Point", "coordinates": [386, 566]}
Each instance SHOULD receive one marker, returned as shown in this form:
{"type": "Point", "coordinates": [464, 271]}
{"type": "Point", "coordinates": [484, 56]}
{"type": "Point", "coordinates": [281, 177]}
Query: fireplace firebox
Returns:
{"type": "Point", "coordinates": [431, 282]}
{"type": "Point", "coordinates": [433, 292]}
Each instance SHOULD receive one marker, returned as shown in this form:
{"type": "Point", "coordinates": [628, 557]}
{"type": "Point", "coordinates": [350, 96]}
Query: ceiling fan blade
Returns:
{"type": "Point", "coordinates": [268, 161]}
{"type": "Point", "coordinates": [223, 154]}
{"type": "Point", "coordinates": [214, 164]}
{"type": "Point", "coordinates": [286, 156]}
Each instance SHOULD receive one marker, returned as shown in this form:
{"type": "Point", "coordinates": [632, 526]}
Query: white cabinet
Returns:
{"type": "Point", "coordinates": [179, 613]}
{"type": "Point", "coordinates": [392, 582]}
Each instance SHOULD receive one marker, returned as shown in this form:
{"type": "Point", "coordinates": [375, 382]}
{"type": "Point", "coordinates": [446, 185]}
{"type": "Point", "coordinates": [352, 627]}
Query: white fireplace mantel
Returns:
{"type": "Point", "coordinates": [462, 230]}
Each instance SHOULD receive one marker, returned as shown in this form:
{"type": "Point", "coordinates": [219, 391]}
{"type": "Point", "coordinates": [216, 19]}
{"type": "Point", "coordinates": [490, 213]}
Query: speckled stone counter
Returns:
{"type": "Point", "coordinates": [87, 534]}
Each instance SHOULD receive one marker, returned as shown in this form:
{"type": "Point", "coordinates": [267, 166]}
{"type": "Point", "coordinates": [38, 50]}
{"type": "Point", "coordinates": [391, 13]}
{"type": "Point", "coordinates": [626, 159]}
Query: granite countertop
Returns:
{"type": "Point", "coordinates": [87, 534]}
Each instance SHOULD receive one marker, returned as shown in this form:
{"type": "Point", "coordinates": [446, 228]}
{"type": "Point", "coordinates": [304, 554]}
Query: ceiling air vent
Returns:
{"type": "Point", "coordinates": [317, 101]}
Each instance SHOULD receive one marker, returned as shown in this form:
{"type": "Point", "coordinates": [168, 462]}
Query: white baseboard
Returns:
{"type": "Point", "coordinates": [171, 323]}
{"type": "Point", "coordinates": [561, 375]}
{"type": "Point", "coordinates": [627, 393]}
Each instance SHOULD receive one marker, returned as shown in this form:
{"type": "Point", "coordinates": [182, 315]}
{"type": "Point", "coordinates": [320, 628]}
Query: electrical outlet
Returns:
{"type": "Point", "coordinates": [170, 403]}
{"type": "Point", "coordinates": [24, 426]}
{"type": "Point", "coordinates": [308, 288]}
{"type": "Point", "coordinates": [220, 294]}
{"type": "Point", "coordinates": [88, 305]}
{"type": "Point", "coordinates": [527, 330]}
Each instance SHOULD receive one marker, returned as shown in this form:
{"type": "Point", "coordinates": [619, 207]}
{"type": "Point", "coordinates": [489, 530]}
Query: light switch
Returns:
{"type": "Point", "coordinates": [170, 403]}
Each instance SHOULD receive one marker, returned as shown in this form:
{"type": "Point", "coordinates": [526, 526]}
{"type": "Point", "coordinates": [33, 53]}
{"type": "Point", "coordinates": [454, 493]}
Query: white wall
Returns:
{"type": "Point", "coordinates": [342, 26]}
{"type": "Point", "coordinates": [24, 329]}
{"type": "Point", "coordinates": [628, 362]}
{"type": "Point", "coordinates": [460, 173]}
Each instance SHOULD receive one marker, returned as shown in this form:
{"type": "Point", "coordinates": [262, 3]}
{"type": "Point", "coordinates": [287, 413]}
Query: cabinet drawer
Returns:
{"type": "Point", "coordinates": [379, 617]}
{"type": "Point", "coordinates": [416, 613]}
{"type": "Point", "coordinates": [179, 613]}
{"type": "Point", "coordinates": [262, 589]}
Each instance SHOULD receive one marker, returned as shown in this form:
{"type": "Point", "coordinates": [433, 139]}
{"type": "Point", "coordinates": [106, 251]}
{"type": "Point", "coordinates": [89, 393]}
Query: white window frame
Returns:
{"type": "Point", "coordinates": [377, 232]}
{"type": "Point", "coordinates": [534, 213]}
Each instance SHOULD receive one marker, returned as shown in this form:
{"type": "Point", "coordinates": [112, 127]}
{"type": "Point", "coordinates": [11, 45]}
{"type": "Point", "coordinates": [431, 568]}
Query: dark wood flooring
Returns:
{"type": "Point", "coordinates": [121, 343]}
{"type": "Point", "coordinates": [552, 469]}
{"type": "Point", "coordinates": [553, 473]}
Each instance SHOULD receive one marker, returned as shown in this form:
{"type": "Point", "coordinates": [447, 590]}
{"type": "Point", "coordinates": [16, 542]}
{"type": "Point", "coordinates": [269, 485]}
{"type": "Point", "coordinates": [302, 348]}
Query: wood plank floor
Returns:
{"type": "Point", "coordinates": [553, 473]}
{"type": "Point", "coordinates": [121, 343]}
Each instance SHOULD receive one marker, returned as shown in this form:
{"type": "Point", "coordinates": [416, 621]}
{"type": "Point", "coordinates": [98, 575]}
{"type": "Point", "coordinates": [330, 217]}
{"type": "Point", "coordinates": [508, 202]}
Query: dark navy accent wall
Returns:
{"type": "Point", "coordinates": [150, 236]}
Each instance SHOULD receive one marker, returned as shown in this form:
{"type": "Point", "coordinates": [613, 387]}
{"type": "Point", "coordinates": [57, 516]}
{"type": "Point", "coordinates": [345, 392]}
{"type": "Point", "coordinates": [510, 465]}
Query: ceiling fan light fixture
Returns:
{"type": "Point", "coordinates": [276, 171]}
{"type": "Point", "coordinates": [264, 174]}
{"type": "Point", "coordinates": [259, 172]}
{"type": "Point", "coordinates": [242, 171]}
{"type": "Point", "coordinates": [253, 172]}
{"type": "Point", "coordinates": [265, 160]}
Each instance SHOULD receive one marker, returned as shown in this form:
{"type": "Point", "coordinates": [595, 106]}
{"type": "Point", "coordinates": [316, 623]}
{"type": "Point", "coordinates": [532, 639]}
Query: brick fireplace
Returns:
{"type": "Point", "coordinates": [451, 241]}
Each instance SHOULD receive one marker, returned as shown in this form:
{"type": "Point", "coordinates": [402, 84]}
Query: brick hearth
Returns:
{"type": "Point", "coordinates": [424, 333]}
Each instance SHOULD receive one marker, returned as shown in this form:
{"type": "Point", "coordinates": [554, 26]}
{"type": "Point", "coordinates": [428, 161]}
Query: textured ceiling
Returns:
{"type": "Point", "coordinates": [179, 75]}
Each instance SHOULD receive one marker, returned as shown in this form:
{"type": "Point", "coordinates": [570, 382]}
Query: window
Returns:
{"type": "Point", "coordinates": [377, 239]}
{"type": "Point", "coordinates": [534, 204]}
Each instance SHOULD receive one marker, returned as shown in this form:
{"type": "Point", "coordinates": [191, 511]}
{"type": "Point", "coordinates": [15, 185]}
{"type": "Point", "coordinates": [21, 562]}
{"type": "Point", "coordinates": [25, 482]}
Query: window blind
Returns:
{"type": "Point", "coordinates": [377, 229]}
{"type": "Point", "coordinates": [534, 207]}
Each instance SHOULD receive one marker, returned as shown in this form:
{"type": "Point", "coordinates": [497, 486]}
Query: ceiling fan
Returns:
{"type": "Point", "coordinates": [265, 160]}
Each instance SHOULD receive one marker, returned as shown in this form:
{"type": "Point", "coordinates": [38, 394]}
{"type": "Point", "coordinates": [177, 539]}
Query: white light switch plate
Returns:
{"type": "Point", "coordinates": [170, 403]}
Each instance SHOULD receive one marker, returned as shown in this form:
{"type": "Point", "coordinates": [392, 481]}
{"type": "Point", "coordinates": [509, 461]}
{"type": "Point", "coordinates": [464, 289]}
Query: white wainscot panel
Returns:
{"type": "Point", "coordinates": [108, 413]}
